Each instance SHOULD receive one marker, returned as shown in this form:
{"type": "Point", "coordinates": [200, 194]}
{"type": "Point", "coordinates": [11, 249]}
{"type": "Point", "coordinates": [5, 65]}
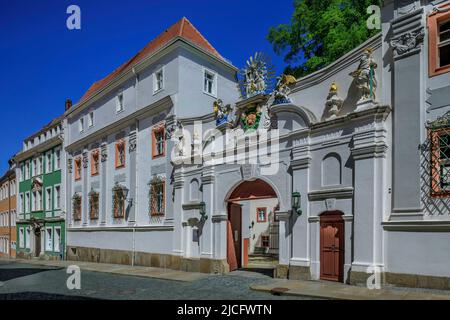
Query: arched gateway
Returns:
{"type": "Point", "coordinates": [252, 229]}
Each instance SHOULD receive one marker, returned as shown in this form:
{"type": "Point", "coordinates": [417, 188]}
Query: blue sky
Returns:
{"type": "Point", "coordinates": [42, 62]}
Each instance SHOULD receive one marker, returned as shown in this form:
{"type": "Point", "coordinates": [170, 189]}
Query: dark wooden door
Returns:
{"type": "Point", "coordinates": [332, 248]}
{"type": "Point", "coordinates": [235, 216]}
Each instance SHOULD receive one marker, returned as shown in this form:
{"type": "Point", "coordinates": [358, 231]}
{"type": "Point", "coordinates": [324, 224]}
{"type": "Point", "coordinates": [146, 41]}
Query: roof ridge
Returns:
{"type": "Point", "coordinates": [202, 36]}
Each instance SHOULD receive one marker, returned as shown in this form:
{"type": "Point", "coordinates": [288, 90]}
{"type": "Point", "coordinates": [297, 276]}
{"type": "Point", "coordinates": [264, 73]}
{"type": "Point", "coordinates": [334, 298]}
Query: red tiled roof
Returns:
{"type": "Point", "coordinates": [183, 28]}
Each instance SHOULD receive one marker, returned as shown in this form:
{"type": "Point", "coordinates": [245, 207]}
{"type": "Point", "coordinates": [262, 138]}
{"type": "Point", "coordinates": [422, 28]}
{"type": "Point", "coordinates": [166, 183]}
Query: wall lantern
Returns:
{"type": "Point", "coordinates": [202, 208]}
{"type": "Point", "coordinates": [296, 198]}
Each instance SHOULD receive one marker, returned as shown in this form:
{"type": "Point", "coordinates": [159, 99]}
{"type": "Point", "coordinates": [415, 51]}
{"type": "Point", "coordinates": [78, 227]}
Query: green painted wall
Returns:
{"type": "Point", "coordinates": [51, 178]}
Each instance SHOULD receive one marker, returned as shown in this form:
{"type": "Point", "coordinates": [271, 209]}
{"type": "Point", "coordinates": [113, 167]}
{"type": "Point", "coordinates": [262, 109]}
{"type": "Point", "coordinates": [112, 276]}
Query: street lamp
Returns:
{"type": "Point", "coordinates": [296, 198]}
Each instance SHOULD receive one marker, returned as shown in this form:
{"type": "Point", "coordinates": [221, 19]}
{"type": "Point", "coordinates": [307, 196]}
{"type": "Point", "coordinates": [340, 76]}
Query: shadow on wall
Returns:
{"type": "Point", "coordinates": [434, 207]}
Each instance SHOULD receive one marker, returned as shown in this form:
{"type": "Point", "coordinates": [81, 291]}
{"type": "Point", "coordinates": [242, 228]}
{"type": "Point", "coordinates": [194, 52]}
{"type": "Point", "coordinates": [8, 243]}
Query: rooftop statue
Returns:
{"type": "Point", "coordinates": [364, 76]}
{"type": "Point", "coordinates": [282, 90]}
{"type": "Point", "coordinates": [334, 102]}
{"type": "Point", "coordinates": [257, 74]}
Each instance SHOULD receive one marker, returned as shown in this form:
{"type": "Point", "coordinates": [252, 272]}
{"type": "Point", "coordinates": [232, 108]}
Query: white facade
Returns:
{"type": "Point", "coordinates": [351, 166]}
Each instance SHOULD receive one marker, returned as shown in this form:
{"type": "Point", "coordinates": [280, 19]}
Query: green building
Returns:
{"type": "Point", "coordinates": [40, 201]}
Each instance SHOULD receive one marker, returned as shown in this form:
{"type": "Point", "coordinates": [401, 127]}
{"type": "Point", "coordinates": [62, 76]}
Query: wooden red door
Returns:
{"type": "Point", "coordinates": [332, 248]}
{"type": "Point", "coordinates": [235, 217]}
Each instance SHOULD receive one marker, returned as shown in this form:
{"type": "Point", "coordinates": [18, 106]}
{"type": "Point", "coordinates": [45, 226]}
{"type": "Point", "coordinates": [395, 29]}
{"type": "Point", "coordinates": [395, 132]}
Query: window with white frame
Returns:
{"type": "Point", "coordinates": [58, 159]}
{"type": "Point", "coordinates": [81, 125]}
{"type": "Point", "coordinates": [91, 119]}
{"type": "Point", "coordinates": [158, 80]}
{"type": "Point", "coordinates": [48, 162]}
{"type": "Point", "coordinates": [27, 238]}
{"type": "Point", "coordinates": [209, 82]}
{"type": "Point", "coordinates": [119, 102]}
{"type": "Point", "coordinates": [27, 170]}
{"type": "Point", "coordinates": [57, 197]}
{"type": "Point", "coordinates": [22, 173]}
{"type": "Point", "coordinates": [21, 238]}
{"type": "Point", "coordinates": [48, 199]}
{"type": "Point", "coordinates": [49, 239]}
{"type": "Point", "coordinates": [34, 201]}
{"type": "Point", "coordinates": [27, 202]}
{"type": "Point", "coordinates": [22, 203]}
{"type": "Point", "coordinates": [57, 240]}
{"type": "Point", "coordinates": [33, 167]}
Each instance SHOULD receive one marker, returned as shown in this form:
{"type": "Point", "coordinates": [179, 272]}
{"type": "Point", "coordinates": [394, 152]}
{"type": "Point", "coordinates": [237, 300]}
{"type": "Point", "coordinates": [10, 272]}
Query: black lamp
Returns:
{"type": "Point", "coordinates": [202, 208]}
{"type": "Point", "coordinates": [296, 198]}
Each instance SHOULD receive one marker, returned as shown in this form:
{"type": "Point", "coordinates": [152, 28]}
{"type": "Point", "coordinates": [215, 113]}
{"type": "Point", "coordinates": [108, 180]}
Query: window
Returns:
{"type": "Point", "coordinates": [81, 125]}
{"type": "Point", "coordinates": [93, 205]}
{"type": "Point", "coordinates": [57, 240]}
{"type": "Point", "coordinates": [58, 159]}
{"type": "Point", "coordinates": [261, 215]}
{"type": "Point", "coordinates": [33, 168]}
{"type": "Point", "coordinates": [439, 42]}
{"type": "Point", "coordinates": [27, 238]}
{"type": "Point", "coordinates": [22, 173]}
{"type": "Point", "coordinates": [48, 199]}
{"type": "Point", "coordinates": [120, 154]}
{"type": "Point", "coordinates": [265, 241]}
{"type": "Point", "coordinates": [57, 197]}
{"type": "Point", "coordinates": [27, 170]}
{"type": "Point", "coordinates": [157, 197]}
{"type": "Point", "coordinates": [158, 80]}
{"type": "Point", "coordinates": [48, 163]}
{"type": "Point", "coordinates": [91, 119]}
{"type": "Point", "coordinates": [209, 85]}
{"type": "Point", "coordinates": [95, 162]}
{"type": "Point", "coordinates": [77, 164]}
{"type": "Point", "coordinates": [36, 205]}
{"type": "Point", "coordinates": [119, 103]}
{"type": "Point", "coordinates": [40, 162]}
{"type": "Point", "coordinates": [48, 239]}
{"type": "Point", "coordinates": [27, 202]}
{"type": "Point", "coordinates": [119, 201]}
{"type": "Point", "coordinates": [21, 238]}
{"type": "Point", "coordinates": [440, 162]}
{"type": "Point", "coordinates": [158, 141]}
{"type": "Point", "coordinates": [22, 204]}
{"type": "Point", "coordinates": [76, 205]}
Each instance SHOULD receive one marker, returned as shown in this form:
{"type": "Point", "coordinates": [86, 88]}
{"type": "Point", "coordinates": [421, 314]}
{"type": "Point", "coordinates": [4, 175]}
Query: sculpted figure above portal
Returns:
{"type": "Point", "coordinates": [364, 76]}
{"type": "Point", "coordinates": [257, 74]}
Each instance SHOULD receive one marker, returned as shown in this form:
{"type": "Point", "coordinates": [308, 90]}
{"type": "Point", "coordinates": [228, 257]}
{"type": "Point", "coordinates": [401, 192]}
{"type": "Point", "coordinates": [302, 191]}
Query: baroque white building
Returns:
{"type": "Point", "coordinates": [171, 165]}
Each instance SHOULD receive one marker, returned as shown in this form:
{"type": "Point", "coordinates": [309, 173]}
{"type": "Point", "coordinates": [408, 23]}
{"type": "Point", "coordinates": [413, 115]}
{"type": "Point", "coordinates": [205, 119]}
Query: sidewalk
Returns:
{"type": "Point", "coordinates": [339, 291]}
{"type": "Point", "coordinates": [147, 272]}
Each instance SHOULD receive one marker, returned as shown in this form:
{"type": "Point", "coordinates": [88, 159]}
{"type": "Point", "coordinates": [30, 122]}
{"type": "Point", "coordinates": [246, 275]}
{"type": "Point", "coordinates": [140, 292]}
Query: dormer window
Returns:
{"type": "Point", "coordinates": [119, 103]}
{"type": "Point", "coordinates": [81, 125]}
{"type": "Point", "coordinates": [158, 80]}
{"type": "Point", "coordinates": [91, 119]}
{"type": "Point", "coordinates": [209, 82]}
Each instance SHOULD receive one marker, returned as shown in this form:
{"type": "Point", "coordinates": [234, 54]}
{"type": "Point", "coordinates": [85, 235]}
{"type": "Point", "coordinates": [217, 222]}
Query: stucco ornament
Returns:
{"type": "Point", "coordinates": [282, 89]}
{"type": "Point", "coordinates": [250, 118]}
{"type": "Point", "coordinates": [440, 122]}
{"type": "Point", "coordinates": [334, 102]}
{"type": "Point", "coordinates": [407, 42]}
{"type": "Point", "coordinates": [257, 74]}
{"type": "Point", "coordinates": [222, 113]}
{"type": "Point", "coordinates": [364, 76]}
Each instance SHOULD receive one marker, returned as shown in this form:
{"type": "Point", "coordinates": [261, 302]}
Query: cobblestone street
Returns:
{"type": "Point", "coordinates": [23, 281]}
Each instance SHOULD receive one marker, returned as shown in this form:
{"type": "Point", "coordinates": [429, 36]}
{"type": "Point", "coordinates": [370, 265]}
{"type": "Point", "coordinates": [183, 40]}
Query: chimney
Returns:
{"type": "Point", "coordinates": [68, 104]}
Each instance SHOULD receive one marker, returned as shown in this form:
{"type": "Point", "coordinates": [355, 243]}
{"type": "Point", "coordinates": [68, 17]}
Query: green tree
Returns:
{"type": "Point", "coordinates": [320, 32]}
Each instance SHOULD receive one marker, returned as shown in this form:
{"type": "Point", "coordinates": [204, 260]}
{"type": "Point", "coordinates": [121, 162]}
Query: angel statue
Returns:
{"type": "Point", "coordinates": [221, 112]}
{"type": "Point", "coordinates": [257, 74]}
{"type": "Point", "coordinates": [282, 90]}
{"type": "Point", "coordinates": [364, 76]}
